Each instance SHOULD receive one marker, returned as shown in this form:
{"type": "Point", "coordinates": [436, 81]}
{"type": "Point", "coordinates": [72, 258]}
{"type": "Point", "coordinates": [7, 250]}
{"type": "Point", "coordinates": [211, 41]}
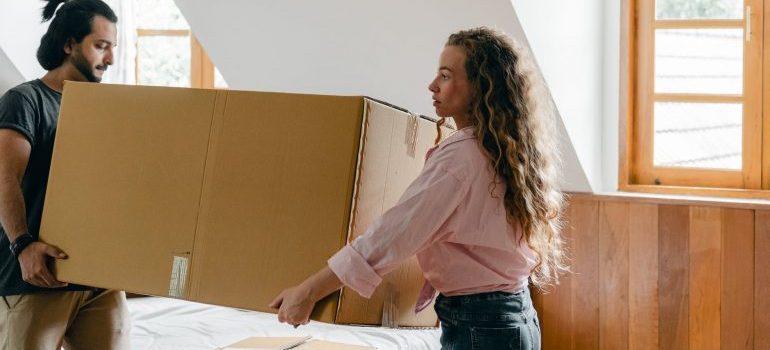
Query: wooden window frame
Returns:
{"type": "Point", "coordinates": [637, 172]}
{"type": "Point", "coordinates": [201, 66]}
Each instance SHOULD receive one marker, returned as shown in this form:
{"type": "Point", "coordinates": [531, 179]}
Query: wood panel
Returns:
{"type": "Point", "coordinates": [627, 90]}
{"type": "Point", "coordinates": [673, 263]}
{"type": "Point", "coordinates": [650, 275]}
{"type": "Point", "coordinates": [737, 279]}
{"type": "Point", "coordinates": [557, 302]}
{"type": "Point", "coordinates": [705, 277]}
{"type": "Point", "coordinates": [613, 275]}
{"type": "Point", "coordinates": [762, 280]}
{"type": "Point", "coordinates": [643, 277]}
{"type": "Point", "coordinates": [764, 13]}
{"type": "Point", "coordinates": [642, 134]}
{"type": "Point", "coordinates": [752, 93]}
{"type": "Point", "coordinates": [537, 302]}
{"type": "Point", "coordinates": [585, 265]}
{"type": "Point", "coordinates": [698, 23]}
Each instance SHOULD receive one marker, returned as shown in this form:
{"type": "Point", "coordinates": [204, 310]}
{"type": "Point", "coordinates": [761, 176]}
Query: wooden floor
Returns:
{"type": "Point", "coordinates": [661, 275]}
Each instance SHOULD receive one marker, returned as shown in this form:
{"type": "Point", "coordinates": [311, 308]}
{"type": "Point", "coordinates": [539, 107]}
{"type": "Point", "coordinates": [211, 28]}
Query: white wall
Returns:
{"type": "Point", "coordinates": [9, 75]}
{"type": "Point", "coordinates": [566, 38]}
{"type": "Point", "coordinates": [389, 49]}
{"type": "Point", "coordinates": [20, 33]}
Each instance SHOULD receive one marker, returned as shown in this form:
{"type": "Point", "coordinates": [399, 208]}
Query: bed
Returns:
{"type": "Point", "coordinates": [163, 323]}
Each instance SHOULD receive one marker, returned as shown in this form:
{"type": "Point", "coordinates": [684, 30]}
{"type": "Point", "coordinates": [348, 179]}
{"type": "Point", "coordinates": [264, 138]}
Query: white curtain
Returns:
{"type": "Point", "coordinates": [123, 69]}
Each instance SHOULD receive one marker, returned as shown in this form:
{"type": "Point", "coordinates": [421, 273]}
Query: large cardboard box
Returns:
{"type": "Point", "coordinates": [227, 197]}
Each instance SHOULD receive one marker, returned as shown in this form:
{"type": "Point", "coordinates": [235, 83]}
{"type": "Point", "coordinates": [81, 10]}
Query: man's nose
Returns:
{"type": "Point", "coordinates": [108, 57]}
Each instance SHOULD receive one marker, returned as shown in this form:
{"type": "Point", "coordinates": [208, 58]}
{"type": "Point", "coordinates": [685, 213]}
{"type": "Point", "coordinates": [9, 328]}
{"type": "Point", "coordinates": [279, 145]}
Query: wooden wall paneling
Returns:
{"type": "Point", "coordinates": [613, 275]}
{"type": "Point", "coordinates": [737, 311]}
{"type": "Point", "coordinates": [649, 275]}
{"type": "Point", "coordinates": [537, 302]}
{"type": "Point", "coordinates": [705, 277]}
{"type": "Point", "coordinates": [643, 277]}
{"type": "Point", "coordinates": [557, 325]}
{"type": "Point", "coordinates": [762, 280]}
{"type": "Point", "coordinates": [673, 282]}
{"type": "Point", "coordinates": [585, 278]}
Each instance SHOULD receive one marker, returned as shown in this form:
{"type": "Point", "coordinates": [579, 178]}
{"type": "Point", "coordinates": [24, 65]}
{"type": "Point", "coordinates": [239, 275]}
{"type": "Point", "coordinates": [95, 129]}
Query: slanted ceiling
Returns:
{"type": "Point", "coordinates": [20, 32]}
{"type": "Point", "coordinates": [9, 75]}
{"type": "Point", "coordinates": [385, 49]}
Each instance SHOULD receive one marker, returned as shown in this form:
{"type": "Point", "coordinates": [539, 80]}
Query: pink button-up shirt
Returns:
{"type": "Point", "coordinates": [451, 220]}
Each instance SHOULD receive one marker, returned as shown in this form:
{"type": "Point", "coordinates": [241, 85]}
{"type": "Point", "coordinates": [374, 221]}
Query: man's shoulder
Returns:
{"type": "Point", "coordinates": [26, 90]}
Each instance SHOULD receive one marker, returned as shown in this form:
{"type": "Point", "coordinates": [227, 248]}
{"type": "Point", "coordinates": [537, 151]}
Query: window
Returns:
{"type": "Point", "coordinates": [697, 84]}
{"type": "Point", "coordinates": [167, 53]}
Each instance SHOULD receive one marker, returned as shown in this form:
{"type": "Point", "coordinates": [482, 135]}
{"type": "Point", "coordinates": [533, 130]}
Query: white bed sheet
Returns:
{"type": "Point", "coordinates": [163, 323]}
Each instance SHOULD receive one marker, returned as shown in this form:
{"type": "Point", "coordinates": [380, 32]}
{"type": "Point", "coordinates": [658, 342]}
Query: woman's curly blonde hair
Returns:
{"type": "Point", "coordinates": [517, 136]}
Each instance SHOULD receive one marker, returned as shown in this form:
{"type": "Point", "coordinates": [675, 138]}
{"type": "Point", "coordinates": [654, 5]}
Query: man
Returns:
{"type": "Point", "coordinates": [36, 310]}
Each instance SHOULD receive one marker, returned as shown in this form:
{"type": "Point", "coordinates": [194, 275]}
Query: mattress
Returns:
{"type": "Point", "coordinates": [164, 323]}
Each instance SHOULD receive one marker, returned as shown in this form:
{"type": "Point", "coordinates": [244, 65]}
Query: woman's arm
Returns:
{"type": "Point", "coordinates": [295, 304]}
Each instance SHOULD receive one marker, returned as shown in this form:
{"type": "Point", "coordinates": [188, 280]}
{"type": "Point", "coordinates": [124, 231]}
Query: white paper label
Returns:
{"type": "Point", "coordinates": [178, 278]}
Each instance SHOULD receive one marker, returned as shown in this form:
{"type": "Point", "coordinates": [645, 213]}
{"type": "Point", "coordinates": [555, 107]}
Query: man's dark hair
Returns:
{"type": "Point", "coordinates": [72, 21]}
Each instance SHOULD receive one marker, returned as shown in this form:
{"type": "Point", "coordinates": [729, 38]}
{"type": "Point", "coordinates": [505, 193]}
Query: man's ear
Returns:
{"type": "Point", "coordinates": [68, 46]}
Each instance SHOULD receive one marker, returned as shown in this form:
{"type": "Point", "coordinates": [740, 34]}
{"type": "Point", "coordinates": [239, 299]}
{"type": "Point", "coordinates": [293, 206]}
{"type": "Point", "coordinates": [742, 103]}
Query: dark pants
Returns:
{"type": "Point", "coordinates": [495, 320]}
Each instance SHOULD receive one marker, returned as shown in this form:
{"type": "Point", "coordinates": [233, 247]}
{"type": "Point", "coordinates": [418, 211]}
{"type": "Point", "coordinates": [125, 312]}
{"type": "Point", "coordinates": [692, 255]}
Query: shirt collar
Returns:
{"type": "Point", "coordinates": [468, 132]}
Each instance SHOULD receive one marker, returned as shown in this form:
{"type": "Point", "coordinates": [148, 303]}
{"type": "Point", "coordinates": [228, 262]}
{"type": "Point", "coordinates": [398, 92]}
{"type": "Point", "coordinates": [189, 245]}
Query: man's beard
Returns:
{"type": "Point", "coordinates": [84, 67]}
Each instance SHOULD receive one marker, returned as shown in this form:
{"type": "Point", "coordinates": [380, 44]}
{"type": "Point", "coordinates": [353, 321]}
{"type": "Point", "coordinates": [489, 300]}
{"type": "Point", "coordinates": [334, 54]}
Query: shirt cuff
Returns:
{"type": "Point", "coordinates": [354, 272]}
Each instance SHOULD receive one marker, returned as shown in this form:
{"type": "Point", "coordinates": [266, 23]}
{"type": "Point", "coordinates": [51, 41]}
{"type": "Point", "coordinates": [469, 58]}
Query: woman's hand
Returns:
{"type": "Point", "coordinates": [294, 305]}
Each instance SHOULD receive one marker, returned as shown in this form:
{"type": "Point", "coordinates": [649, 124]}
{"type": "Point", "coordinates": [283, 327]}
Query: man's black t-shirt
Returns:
{"type": "Point", "coordinates": [31, 109]}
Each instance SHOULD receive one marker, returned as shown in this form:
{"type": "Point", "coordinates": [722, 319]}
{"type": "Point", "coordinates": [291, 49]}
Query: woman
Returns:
{"type": "Point", "coordinates": [482, 217]}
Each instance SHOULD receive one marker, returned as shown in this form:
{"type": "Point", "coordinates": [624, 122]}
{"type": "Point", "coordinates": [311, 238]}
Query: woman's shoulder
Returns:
{"type": "Point", "coordinates": [459, 150]}
{"type": "Point", "coordinates": [460, 143]}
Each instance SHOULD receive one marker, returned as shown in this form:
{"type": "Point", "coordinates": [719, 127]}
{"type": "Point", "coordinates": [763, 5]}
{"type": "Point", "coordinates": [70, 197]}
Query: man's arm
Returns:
{"type": "Point", "coordinates": [14, 156]}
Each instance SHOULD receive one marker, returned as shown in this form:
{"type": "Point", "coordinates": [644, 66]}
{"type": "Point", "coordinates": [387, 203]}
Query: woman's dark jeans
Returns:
{"type": "Point", "coordinates": [488, 321]}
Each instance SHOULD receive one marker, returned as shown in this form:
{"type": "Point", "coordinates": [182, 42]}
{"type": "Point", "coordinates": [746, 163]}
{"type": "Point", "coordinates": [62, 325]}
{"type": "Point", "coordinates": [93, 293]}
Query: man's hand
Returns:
{"type": "Point", "coordinates": [34, 268]}
{"type": "Point", "coordinates": [294, 306]}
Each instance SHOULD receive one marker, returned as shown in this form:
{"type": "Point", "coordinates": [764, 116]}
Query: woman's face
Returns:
{"type": "Point", "coordinates": [450, 88]}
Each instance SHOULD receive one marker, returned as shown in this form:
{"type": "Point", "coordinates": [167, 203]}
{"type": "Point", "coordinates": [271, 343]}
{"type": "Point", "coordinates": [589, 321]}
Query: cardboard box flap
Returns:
{"type": "Point", "coordinates": [142, 132]}
{"type": "Point", "coordinates": [393, 154]}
